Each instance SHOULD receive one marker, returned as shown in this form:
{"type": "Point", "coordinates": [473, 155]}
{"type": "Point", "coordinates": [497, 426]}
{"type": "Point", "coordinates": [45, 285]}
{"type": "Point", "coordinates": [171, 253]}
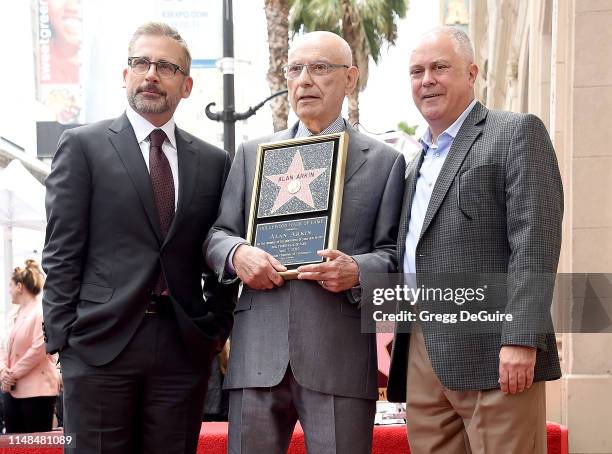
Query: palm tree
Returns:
{"type": "Point", "coordinates": [277, 16]}
{"type": "Point", "coordinates": [365, 24]}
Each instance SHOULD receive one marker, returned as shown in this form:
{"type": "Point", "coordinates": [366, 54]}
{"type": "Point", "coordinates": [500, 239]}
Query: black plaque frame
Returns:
{"type": "Point", "coordinates": [292, 232]}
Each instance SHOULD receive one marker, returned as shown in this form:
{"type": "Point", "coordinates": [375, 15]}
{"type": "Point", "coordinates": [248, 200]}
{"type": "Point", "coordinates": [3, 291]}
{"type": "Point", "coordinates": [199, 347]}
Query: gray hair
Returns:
{"type": "Point", "coordinates": [162, 29]}
{"type": "Point", "coordinates": [461, 41]}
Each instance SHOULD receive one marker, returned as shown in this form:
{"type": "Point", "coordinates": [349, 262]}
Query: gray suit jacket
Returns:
{"type": "Point", "coordinates": [317, 331]}
{"type": "Point", "coordinates": [496, 207]}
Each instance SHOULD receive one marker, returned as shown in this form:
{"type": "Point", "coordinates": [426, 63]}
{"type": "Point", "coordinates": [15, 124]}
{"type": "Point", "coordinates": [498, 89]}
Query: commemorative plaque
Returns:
{"type": "Point", "coordinates": [297, 197]}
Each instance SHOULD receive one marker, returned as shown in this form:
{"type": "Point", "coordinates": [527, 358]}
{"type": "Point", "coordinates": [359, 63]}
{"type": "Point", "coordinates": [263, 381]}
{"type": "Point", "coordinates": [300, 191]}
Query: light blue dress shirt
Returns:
{"type": "Point", "coordinates": [434, 157]}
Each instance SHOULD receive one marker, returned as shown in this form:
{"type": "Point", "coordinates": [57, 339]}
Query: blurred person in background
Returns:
{"type": "Point", "coordinates": [28, 376]}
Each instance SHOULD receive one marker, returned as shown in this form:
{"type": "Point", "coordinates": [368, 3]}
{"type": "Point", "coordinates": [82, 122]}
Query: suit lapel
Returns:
{"type": "Point", "coordinates": [356, 153]}
{"type": "Point", "coordinates": [461, 146]}
{"type": "Point", "coordinates": [188, 164]}
{"type": "Point", "coordinates": [412, 174]}
{"type": "Point", "coordinates": [285, 134]}
{"type": "Point", "coordinates": [124, 141]}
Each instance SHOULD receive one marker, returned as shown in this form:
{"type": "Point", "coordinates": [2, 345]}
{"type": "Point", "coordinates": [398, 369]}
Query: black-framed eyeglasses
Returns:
{"type": "Point", "coordinates": [294, 70]}
{"type": "Point", "coordinates": [165, 69]}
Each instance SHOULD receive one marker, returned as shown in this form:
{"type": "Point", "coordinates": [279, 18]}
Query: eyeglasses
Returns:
{"type": "Point", "coordinates": [165, 69]}
{"type": "Point", "coordinates": [294, 71]}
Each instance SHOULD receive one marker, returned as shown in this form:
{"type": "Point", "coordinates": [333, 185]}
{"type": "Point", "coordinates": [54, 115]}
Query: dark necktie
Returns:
{"type": "Point", "coordinates": [163, 190]}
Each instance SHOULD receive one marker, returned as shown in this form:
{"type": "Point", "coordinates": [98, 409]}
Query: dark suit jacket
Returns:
{"type": "Point", "coordinates": [317, 331]}
{"type": "Point", "coordinates": [104, 247]}
{"type": "Point", "coordinates": [496, 207]}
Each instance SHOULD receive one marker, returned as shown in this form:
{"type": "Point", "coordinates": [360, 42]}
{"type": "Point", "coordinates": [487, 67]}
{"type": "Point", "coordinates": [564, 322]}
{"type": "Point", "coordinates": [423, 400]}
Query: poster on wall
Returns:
{"type": "Point", "coordinates": [58, 34]}
{"type": "Point", "coordinates": [199, 23]}
{"type": "Point", "coordinates": [81, 49]}
{"type": "Point", "coordinates": [455, 13]}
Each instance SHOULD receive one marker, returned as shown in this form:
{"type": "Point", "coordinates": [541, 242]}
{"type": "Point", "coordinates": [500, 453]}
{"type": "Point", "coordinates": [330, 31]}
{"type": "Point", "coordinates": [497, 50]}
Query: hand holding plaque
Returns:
{"type": "Point", "coordinates": [339, 273]}
{"type": "Point", "coordinates": [256, 268]}
{"type": "Point", "coordinates": [297, 196]}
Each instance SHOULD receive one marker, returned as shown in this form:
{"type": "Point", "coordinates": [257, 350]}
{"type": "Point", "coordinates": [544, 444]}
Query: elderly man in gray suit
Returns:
{"type": "Point", "coordinates": [484, 196]}
{"type": "Point", "coordinates": [297, 348]}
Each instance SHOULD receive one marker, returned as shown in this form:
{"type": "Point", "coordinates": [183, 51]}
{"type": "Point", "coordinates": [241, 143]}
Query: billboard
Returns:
{"type": "Point", "coordinates": [80, 51]}
{"type": "Point", "coordinates": [58, 33]}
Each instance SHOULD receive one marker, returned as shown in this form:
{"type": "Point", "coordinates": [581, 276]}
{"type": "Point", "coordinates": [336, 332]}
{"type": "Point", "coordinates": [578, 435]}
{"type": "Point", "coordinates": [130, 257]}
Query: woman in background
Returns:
{"type": "Point", "coordinates": [28, 375]}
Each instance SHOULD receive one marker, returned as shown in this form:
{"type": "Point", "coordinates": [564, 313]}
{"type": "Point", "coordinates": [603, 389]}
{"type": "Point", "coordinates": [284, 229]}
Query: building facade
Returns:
{"type": "Point", "coordinates": [552, 58]}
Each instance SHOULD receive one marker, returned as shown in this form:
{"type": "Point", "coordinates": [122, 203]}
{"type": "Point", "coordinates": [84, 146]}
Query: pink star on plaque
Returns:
{"type": "Point", "coordinates": [294, 183]}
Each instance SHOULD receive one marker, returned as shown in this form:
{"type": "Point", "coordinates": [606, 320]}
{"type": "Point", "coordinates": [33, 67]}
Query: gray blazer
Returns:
{"type": "Point", "coordinates": [317, 331]}
{"type": "Point", "coordinates": [497, 207]}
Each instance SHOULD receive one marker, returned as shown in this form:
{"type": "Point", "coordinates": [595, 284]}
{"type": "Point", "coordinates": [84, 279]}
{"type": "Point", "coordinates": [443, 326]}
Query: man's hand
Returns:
{"type": "Point", "coordinates": [256, 268]}
{"type": "Point", "coordinates": [516, 365]}
{"type": "Point", "coordinates": [340, 273]}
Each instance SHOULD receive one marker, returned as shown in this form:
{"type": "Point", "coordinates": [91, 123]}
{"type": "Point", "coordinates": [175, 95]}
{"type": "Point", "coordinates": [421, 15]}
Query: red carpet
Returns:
{"type": "Point", "coordinates": [387, 440]}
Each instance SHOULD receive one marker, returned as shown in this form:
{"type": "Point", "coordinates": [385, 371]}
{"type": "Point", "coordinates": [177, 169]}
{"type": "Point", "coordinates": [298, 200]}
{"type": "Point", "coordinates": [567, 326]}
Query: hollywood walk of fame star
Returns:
{"type": "Point", "coordinates": [294, 183]}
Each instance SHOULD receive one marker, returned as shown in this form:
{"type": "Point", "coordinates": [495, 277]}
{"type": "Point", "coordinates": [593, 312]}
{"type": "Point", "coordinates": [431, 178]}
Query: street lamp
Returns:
{"type": "Point", "coordinates": [229, 116]}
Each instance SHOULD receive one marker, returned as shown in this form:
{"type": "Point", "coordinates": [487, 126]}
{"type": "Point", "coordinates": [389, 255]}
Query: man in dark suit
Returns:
{"type": "Point", "coordinates": [129, 204]}
{"type": "Point", "coordinates": [484, 196]}
{"type": "Point", "coordinates": [297, 347]}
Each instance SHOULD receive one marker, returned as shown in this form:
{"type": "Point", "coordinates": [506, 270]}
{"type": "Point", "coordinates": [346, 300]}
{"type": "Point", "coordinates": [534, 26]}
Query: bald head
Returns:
{"type": "Point", "coordinates": [330, 46]}
{"type": "Point", "coordinates": [316, 97]}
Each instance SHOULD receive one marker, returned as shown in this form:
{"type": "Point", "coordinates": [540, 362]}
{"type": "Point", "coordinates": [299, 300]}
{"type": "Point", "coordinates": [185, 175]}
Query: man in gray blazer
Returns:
{"type": "Point", "coordinates": [484, 196]}
{"type": "Point", "coordinates": [129, 203]}
{"type": "Point", "coordinates": [297, 348]}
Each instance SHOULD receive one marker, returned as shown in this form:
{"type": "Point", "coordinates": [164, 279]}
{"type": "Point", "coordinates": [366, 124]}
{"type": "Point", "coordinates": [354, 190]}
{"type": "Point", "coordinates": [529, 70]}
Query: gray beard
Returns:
{"type": "Point", "coordinates": [146, 106]}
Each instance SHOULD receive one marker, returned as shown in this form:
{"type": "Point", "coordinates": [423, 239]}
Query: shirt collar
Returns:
{"type": "Point", "coordinates": [451, 131]}
{"type": "Point", "coordinates": [142, 127]}
{"type": "Point", "coordinates": [335, 126]}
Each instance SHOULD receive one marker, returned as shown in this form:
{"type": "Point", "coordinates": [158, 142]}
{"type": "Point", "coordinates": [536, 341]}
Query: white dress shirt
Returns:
{"type": "Point", "coordinates": [142, 129]}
